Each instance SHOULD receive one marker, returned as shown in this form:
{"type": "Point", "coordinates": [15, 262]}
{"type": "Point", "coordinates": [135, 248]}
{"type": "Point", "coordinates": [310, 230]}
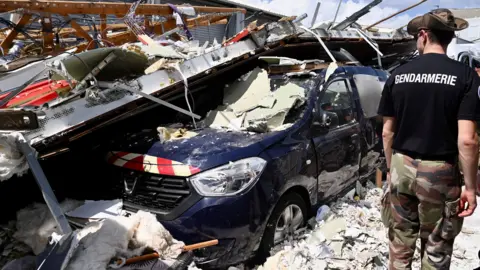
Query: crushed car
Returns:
{"type": "Point", "coordinates": [281, 140]}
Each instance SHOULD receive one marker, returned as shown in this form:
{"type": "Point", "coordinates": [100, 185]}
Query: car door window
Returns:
{"type": "Point", "coordinates": [337, 104]}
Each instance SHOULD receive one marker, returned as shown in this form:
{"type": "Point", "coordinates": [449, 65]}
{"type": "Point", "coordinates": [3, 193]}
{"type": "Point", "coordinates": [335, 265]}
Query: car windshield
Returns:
{"type": "Point", "coordinates": [259, 103]}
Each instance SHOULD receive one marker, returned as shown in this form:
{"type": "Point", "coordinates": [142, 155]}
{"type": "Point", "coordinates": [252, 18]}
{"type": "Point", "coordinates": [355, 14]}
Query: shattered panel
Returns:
{"type": "Point", "coordinates": [250, 104]}
{"type": "Point", "coordinates": [370, 90]}
{"type": "Point", "coordinates": [286, 97]}
{"type": "Point", "coordinates": [243, 95]}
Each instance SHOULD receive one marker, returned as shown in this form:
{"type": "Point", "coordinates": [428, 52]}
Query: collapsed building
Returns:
{"type": "Point", "coordinates": [77, 112]}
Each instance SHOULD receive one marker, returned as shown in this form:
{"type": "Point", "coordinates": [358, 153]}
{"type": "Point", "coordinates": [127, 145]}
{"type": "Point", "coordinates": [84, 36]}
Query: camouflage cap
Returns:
{"type": "Point", "coordinates": [437, 19]}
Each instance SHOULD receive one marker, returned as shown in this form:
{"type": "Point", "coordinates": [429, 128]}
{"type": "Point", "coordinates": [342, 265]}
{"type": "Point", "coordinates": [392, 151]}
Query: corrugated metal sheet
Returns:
{"type": "Point", "coordinates": [204, 33]}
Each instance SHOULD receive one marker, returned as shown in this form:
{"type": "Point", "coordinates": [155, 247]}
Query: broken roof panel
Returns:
{"type": "Point", "coordinates": [69, 115]}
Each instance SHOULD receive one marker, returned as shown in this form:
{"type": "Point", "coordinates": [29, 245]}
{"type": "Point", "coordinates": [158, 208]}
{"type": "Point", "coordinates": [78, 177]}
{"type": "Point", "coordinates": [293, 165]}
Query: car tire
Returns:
{"type": "Point", "coordinates": [290, 200]}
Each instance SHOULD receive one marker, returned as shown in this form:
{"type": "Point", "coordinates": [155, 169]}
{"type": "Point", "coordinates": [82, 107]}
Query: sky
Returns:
{"type": "Point", "coordinates": [384, 9]}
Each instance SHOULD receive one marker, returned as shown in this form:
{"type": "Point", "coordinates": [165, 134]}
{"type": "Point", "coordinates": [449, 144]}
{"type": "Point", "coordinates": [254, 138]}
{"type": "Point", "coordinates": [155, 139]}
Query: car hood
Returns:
{"type": "Point", "coordinates": [184, 157]}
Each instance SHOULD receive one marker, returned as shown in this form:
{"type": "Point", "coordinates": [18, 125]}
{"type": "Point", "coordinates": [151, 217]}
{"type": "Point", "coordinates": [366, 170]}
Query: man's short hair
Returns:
{"type": "Point", "coordinates": [440, 37]}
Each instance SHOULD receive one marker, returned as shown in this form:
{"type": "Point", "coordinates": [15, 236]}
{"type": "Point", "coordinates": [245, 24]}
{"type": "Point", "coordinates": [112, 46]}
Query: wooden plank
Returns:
{"type": "Point", "coordinates": [205, 23]}
{"type": "Point", "coordinates": [203, 20]}
{"type": "Point", "coordinates": [7, 42]}
{"type": "Point", "coordinates": [120, 9]}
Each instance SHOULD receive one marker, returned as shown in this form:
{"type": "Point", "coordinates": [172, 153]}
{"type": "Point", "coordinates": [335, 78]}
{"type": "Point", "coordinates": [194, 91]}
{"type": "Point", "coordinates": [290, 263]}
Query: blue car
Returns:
{"type": "Point", "coordinates": [253, 190]}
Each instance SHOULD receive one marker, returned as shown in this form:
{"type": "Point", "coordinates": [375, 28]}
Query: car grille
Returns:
{"type": "Point", "coordinates": [154, 191]}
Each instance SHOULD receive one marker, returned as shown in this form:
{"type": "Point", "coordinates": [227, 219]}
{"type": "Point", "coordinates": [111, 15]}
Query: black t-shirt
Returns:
{"type": "Point", "coordinates": [427, 97]}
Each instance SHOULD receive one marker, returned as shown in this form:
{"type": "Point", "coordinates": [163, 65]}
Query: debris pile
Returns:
{"type": "Point", "coordinates": [101, 244]}
{"type": "Point", "coordinates": [351, 236]}
{"type": "Point", "coordinates": [10, 248]}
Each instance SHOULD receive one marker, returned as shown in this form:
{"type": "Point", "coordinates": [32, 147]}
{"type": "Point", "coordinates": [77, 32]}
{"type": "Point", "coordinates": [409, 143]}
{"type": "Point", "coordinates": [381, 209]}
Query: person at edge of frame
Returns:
{"type": "Point", "coordinates": [429, 108]}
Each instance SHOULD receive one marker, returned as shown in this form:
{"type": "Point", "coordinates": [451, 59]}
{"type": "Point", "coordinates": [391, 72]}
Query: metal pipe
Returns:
{"type": "Point", "coordinates": [395, 14]}
{"type": "Point", "coordinates": [370, 42]}
{"type": "Point", "coordinates": [336, 13]}
{"type": "Point", "coordinates": [315, 14]}
{"type": "Point", "coordinates": [145, 95]}
{"type": "Point", "coordinates": [355, 16]}
{"type": "Point", "coordinates": [321, 42]}
{"type": "Point", "coordinates": [46, 189]}
{"type": "Point", "coordinates": [300, 18]}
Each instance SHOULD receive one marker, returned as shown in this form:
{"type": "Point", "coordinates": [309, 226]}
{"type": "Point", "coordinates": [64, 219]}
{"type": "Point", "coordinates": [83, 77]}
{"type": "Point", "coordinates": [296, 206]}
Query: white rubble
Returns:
{"type": "Point", "coordinates": [467, 243]}
{"type": "Point", "coordinates": [354, 237]}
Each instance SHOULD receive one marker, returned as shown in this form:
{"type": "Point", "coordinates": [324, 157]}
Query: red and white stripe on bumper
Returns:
{"type": "Point", "coordinates": [151, 164]}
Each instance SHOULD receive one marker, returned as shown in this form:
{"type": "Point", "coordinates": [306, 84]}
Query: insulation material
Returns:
{"type": "Point", "coordinates": [249, 104]}
{"type": "Point", "coordinates": [12, 161]}
{"type": "Point", "coordinates": [167, 134]}
{"type": "Point", "coordinates": [122, 237]}
{"type": "Point", "coordinates": [35, 224]}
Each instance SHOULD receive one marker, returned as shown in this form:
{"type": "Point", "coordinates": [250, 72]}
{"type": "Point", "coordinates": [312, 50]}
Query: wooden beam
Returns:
{"type": "Point", "coordinates": [206, 22]}
{"type": "Point", "coordinates": [118, 26]}
{"type": "Point", "coordinates": [7, 42]}
{"type": "Point", "coordinates": [103, 26]}
{"type": "Point", "coordinates": [74, 7]}
{"type": "Point", "coordinates": [148, 25]}
{"type": "Point", "coordinates": [119, 39]}
{"type": "Point", "coordinates": [80, 32]}
{"type": "Point", "coordinates": [65, 32]}
{"type": "Point", "coordinates": [47, 32]}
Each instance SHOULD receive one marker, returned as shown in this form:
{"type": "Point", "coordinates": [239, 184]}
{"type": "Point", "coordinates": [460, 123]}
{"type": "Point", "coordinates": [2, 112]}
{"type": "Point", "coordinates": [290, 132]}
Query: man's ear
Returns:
{"type": "Point", "coordinates": [426, 40]}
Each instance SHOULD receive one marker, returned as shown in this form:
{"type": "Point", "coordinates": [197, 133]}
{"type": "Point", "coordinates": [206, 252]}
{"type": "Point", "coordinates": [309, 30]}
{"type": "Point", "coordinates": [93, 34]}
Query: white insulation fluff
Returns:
{"type": "Point", "coordinates": [123, 237]}
{"type": "Point", "coordinates": [35, 224]}
{"type": "Point", "coordinates": [12, 161]}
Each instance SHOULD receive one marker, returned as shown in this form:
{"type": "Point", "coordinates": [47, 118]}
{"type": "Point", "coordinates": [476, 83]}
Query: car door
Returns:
{"type": "Point", "coordinates": [337, 147]}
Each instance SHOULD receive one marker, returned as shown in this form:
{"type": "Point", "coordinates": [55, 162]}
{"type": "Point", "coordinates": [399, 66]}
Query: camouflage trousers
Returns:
{"type": "Point", "coordinates": [424, 201]}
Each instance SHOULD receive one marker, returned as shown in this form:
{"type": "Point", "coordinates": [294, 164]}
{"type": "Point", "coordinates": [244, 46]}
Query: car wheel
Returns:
{"type": "Point", "coordinates": [289, 215]}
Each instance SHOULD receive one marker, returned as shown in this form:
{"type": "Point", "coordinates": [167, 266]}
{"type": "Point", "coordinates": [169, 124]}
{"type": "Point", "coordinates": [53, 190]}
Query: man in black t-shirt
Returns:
{"type": "Point", "coordinates": [429, 107]}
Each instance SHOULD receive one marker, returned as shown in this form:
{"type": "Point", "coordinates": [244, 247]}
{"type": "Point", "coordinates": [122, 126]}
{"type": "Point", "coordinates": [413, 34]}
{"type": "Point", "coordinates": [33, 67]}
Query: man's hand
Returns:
{"type": "Point", "coordinates": [467, 196]}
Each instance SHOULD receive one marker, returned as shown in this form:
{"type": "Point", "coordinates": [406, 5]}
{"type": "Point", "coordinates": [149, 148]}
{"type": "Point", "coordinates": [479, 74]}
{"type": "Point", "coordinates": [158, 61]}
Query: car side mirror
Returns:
{"type": "Point", "coordinates": [321, 124]}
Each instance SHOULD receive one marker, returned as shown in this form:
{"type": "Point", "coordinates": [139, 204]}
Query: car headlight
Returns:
{"type": "Point", "coordinates": [229, 179]}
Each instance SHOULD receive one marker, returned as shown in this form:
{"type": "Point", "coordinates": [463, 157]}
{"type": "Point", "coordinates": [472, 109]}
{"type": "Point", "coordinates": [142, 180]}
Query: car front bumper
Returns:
{"type": "Point", "coordinates": [237, 222]}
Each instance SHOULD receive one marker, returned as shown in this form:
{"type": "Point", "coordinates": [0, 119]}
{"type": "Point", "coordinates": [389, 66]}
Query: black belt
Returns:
{"type": "Point", "coordinates": [447, 158]}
